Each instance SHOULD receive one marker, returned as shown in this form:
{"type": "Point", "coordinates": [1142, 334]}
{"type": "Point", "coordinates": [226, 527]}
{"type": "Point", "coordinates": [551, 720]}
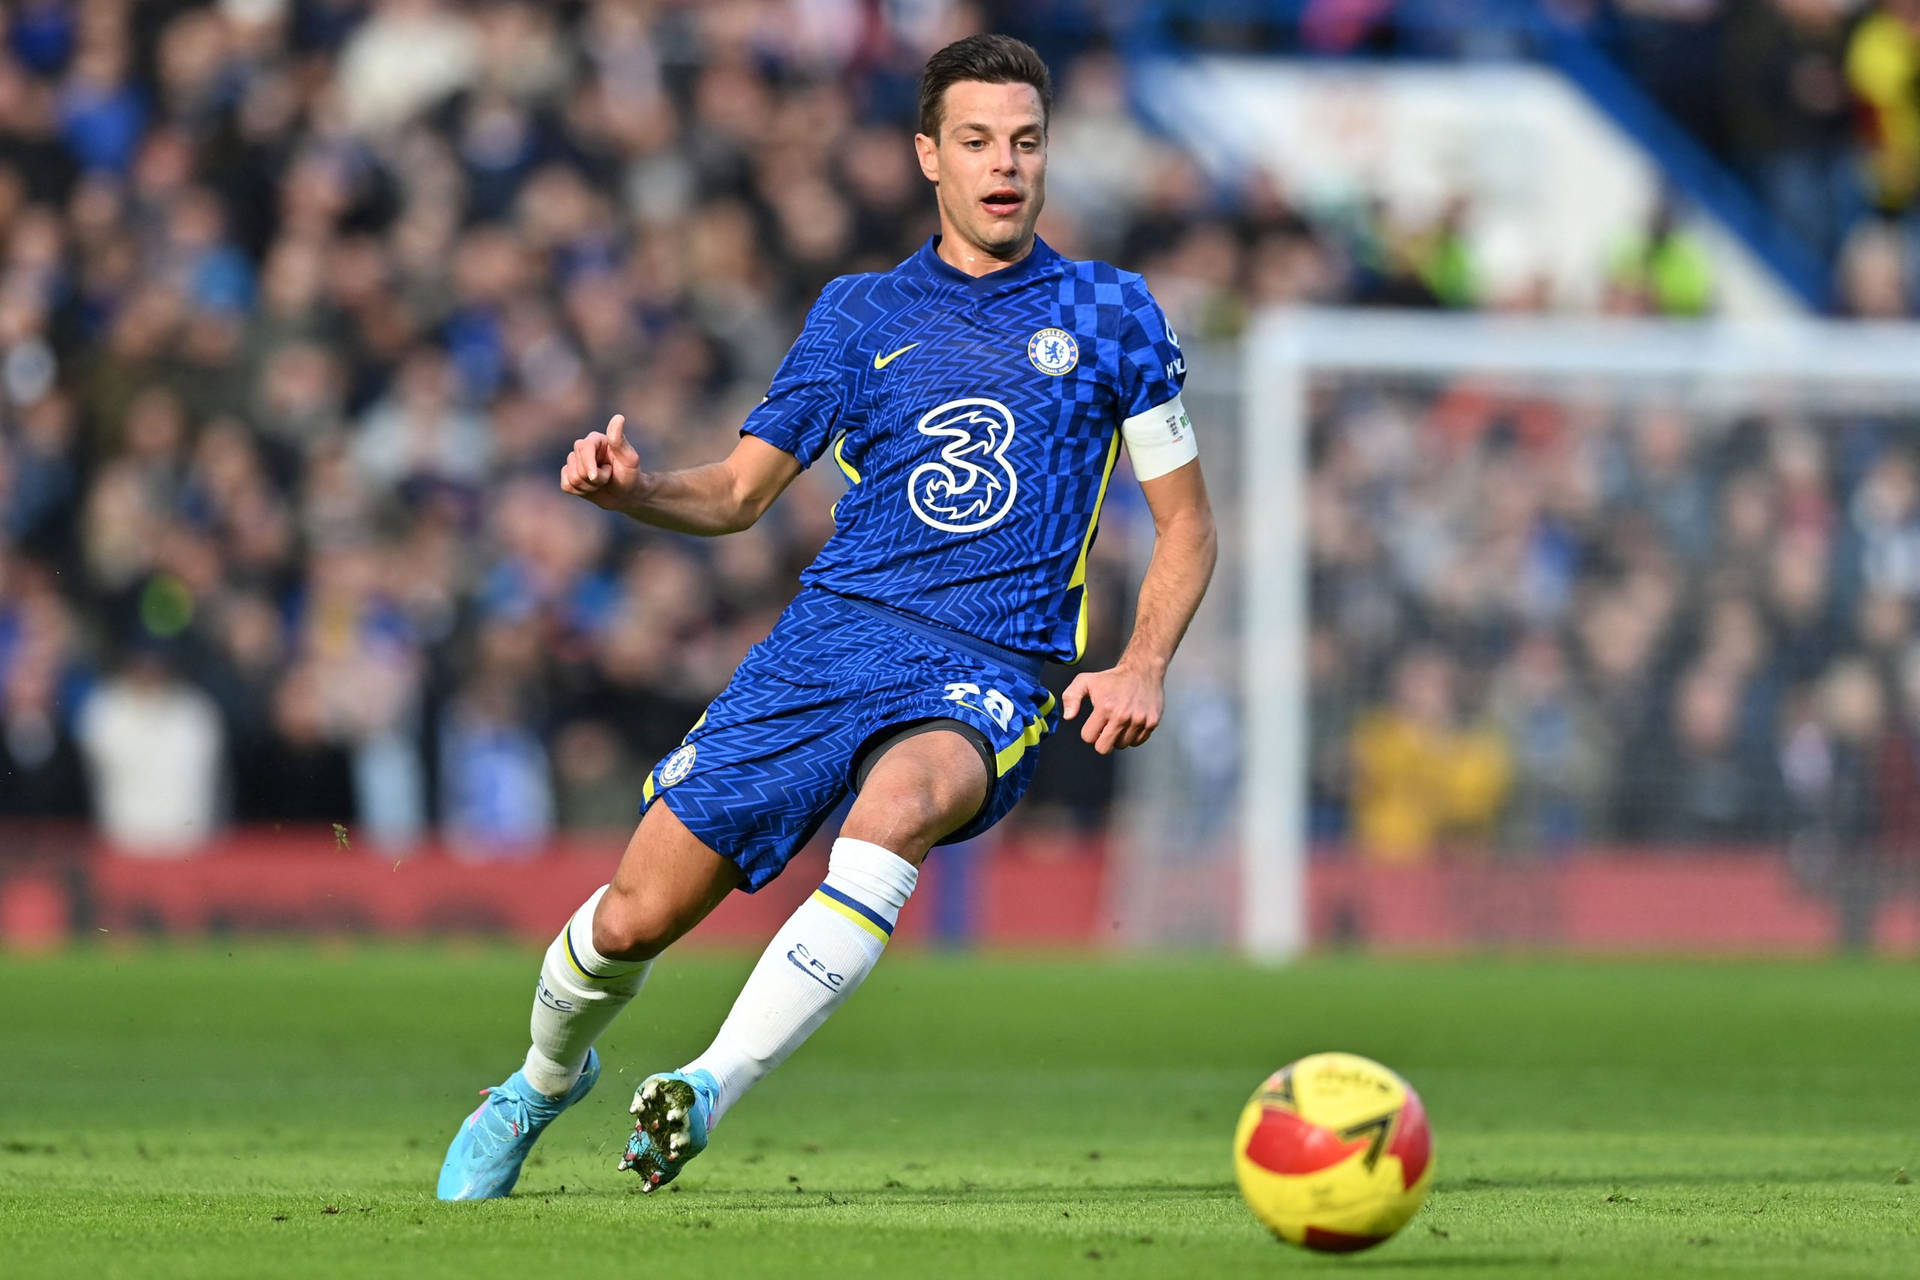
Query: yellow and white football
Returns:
{"type": "Point", "coordinates": [1334, 1153]}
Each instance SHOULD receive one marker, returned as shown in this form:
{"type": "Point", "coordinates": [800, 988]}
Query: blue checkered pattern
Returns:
{"type": "Point", "coordinates": [983, 524]}
{"type": "Point", "coordinates": [774, 754]}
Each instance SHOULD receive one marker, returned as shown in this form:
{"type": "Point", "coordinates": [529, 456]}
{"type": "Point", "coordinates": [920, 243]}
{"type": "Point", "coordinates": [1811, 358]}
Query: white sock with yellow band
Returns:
{"type": "Point", "coordinates": [580, 993]}
{"type": "Point", "coordinates": [824, 951]}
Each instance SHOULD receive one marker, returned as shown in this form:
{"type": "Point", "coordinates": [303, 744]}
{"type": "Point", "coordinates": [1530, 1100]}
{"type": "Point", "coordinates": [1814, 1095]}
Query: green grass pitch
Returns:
{"type": "Point", "coordinates": [282, 1111]}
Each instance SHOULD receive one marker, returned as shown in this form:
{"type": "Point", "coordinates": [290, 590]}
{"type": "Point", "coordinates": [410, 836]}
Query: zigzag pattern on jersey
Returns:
{"type": "Point", "coordinates": [1005, 580]}
{"type": "Point", "coordinates": [773, 755]}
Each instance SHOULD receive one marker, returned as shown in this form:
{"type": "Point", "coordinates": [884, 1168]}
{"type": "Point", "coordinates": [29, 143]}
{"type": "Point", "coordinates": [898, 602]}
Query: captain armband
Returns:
{"type": "Point", "coordinates": [1160, 440]}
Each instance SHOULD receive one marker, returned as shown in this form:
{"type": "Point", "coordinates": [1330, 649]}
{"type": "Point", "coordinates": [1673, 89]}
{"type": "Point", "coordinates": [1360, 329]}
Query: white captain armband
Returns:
{"type": "Point", "coordinates": [1160, 440]}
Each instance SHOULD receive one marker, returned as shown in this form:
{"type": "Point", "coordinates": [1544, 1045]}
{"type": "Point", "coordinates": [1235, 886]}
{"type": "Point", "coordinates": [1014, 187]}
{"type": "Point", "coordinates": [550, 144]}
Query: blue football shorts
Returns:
{"type": "Point", "coordinates": [779, 748]}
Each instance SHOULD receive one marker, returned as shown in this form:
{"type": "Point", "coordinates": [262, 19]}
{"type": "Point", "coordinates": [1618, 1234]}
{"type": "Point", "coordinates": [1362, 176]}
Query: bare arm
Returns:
{"type": "Point", "coordinates": [721, 497]}
{"type": "Point", "coordinates": [1126, 699]}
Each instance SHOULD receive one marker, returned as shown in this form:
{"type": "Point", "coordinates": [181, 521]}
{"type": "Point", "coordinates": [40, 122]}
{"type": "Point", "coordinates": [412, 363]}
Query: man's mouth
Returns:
{"type": "Point", "coordinates": [1003, 202]}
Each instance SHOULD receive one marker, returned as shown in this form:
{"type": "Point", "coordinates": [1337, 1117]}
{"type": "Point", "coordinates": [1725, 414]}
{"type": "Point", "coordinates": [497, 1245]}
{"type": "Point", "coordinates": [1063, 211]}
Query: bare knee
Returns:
{"type": "Point", "coordinates": [634, 924]}
{"type": "Point", "coordinates": [903, 818]}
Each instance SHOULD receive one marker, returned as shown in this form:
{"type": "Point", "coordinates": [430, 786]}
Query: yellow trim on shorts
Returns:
{"type": "Point", "coordinates": [1036, 729]}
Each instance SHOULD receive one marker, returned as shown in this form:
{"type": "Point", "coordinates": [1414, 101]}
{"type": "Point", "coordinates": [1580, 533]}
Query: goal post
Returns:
{"type": "Point", "coordinates": [1713, 372]}
{"type": "Point", "coordinates": [1272, 588]}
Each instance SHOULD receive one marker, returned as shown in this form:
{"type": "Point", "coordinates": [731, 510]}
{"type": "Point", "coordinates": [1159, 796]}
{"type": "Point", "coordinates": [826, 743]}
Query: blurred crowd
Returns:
{"type": "Point", "coordinates": [302, 301]}
{"type": "Point", "coordinates": [1813, 104]}
{"type": "Point", "coordinates": [1542, 622]}
{"type": "Point", "coordinates": [302, 304]}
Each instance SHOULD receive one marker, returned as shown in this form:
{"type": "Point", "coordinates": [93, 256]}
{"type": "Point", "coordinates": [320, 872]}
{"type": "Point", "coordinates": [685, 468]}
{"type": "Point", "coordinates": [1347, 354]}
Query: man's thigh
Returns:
{"type": "Point", "coordinates": [922, 787]}
{"type": "Point", "coordinates": [990, 721]}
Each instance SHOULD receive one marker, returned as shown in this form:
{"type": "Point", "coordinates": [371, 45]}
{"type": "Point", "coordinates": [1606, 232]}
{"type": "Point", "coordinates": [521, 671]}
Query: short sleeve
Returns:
{"type": "Point", "coordinates": [1158, 433]}
{"type": "Point", "coordinates": [1152, 370]}
{"type": "Point", "coordinates": [809, 391]}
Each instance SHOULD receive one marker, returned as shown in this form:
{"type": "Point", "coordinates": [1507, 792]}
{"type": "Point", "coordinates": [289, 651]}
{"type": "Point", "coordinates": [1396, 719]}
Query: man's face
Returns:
{"type": "Point", "coordinates": [989, 165]}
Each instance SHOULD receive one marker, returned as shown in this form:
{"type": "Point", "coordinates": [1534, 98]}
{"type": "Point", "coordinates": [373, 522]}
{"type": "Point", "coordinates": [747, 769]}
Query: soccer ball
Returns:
{"type": "Point", "coordinates": [1334, 1153]}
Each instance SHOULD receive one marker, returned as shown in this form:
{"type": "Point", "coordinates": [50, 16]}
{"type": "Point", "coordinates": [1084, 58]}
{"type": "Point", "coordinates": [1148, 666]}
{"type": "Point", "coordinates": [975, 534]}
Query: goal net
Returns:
{"type": "Point", "coordinates": [1503, 598]}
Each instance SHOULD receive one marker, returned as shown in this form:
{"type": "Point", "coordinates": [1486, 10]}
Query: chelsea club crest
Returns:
{"type": "Point", "coordinates": [1053, 351]}
{"type": "Point", "coordinates": [677, 766]}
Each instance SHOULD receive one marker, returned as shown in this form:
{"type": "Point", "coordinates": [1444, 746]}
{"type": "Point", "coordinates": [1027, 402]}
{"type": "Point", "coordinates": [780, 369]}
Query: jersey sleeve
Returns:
{"type": "Point", "coordinates": [1158, 433]}
{"type": "Point", "coordinates": [809, 391]}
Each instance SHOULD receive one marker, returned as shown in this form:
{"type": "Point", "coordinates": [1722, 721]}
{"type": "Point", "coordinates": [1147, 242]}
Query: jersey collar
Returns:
{"type": "Point", "coordinates": [1034, 264]}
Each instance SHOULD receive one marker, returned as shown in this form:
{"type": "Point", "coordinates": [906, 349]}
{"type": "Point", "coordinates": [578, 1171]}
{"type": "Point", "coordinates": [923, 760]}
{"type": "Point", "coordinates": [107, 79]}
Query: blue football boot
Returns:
{"type": "Point", "coordinates": [485, 1158]}
{"type": "Point", "coordinates": [671, 1114]}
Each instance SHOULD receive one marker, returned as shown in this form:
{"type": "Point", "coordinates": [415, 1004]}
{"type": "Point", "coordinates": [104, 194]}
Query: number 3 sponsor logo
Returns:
{"type": "Point", "coordinates": [970, 486]}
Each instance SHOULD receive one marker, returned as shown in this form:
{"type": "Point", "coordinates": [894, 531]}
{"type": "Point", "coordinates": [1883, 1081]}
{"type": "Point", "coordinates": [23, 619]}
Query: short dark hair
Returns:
{"type": "Point", "coordinates": [990, 59]}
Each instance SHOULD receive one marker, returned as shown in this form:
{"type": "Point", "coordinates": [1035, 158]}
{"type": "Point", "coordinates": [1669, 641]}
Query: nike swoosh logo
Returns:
{"type": "Point", "coordinates": [881, 362]}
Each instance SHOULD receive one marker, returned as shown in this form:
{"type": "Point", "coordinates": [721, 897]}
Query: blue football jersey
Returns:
{"type": "Point", "coordinates": [978, 421]}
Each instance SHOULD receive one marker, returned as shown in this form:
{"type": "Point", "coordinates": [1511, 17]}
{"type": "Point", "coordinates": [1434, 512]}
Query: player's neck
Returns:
{"type": "Point", "coordinates": [969, 258]}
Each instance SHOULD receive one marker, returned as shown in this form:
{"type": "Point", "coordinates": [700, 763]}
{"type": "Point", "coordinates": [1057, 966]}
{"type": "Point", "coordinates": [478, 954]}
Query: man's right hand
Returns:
{"type": "Point", "coordinates": [603, 468]}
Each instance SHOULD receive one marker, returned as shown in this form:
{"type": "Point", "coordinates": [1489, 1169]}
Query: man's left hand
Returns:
{"type": "Point", "coordinates": [1124, 705]}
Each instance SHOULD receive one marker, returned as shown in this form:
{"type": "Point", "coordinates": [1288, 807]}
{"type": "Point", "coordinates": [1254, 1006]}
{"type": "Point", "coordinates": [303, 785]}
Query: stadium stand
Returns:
{"type": "Point", "coordinates": [302, 301]}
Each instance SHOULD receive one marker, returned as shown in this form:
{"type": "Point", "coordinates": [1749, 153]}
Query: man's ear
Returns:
{"type": "Point", "coordinates": [928, 150]}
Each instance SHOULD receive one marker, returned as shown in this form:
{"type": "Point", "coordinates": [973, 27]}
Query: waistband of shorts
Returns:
{"type": "Point", "coordinates": [1021, 662]}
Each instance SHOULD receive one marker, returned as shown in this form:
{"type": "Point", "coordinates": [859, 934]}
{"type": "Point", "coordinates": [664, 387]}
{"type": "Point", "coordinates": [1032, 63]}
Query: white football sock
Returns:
{"type": "Point", "coordinates": [813, 964]}
{"type": "Point", "coordinates": [580, 992]}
